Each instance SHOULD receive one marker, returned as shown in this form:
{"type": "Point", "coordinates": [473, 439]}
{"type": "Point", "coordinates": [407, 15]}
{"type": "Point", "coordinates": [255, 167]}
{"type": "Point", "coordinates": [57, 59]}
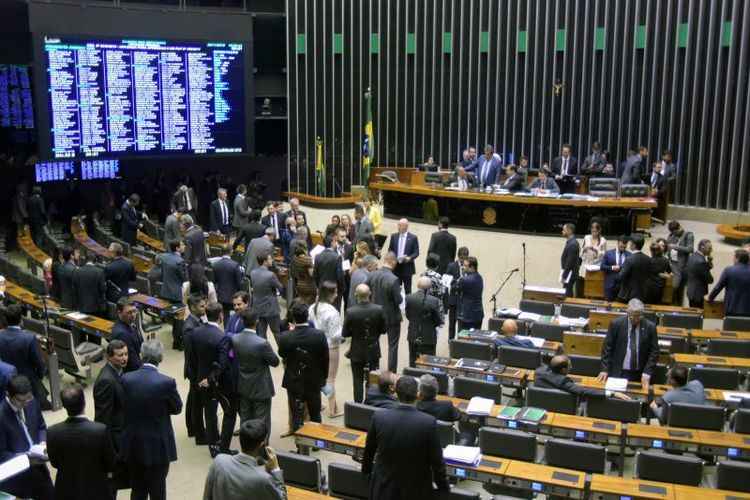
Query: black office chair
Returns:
{"type": "Point", "coordinates": [33, 325]}
{"type": "Point", "coordinates": [614, 409]}
{"type": "Point", "coordinates": [676, 344]}
{"type": "Point", "coordinates": [347, 481]}
{"type": "Point", "coordinates": [496, 325]}
{"type": "Point", "coordinates": [471, 349]}
{"type": "Point", "coordinates": [442, 377]}
{"type": "Point", "coordinates": [732, 475]}
{"type": "Point", "coordinates": [659, 466]}
{"type": "Point", "coordinates": [587, 366]}
{"type": "Point", "coordinates": [678, 320]}
{"type": "Point", "coordinates": [575, 310]}
{"type": "Point", "coordinates": [706, 417]}
{"type": "Point", "coordinates": [446, 433]}
{"type": "Point", "coordinates": [467, 388]}
{"type": "Point", "coordinates": [508, 443]}
{"type": "Point", "coordinates": [742, 421]}
{"type": "Point", "coordinates": [736, 323]}
{"type": "Point", "coordinates": [716, 378]}
{"type": "Point", "coordinates": [537, 307]}
{"type": "Point", "coordinates": [552, 400]}
{"type": "Point", "coordinates": [727, 347]}
{"type": "Point", "coordinates": [548, 331]}
{"type": "Point", "coordinates": [659, 374]}
{"type": "Point", "coordinates": [358, 416]}
{"type": "Point", "coordinates": [585, 457]}
{"type": "Point", "coordinates": [519, 357]}
{"type": "Point", "coordinates": [300, 470]}
{"type": "Point", "coordinates": [143, 285]}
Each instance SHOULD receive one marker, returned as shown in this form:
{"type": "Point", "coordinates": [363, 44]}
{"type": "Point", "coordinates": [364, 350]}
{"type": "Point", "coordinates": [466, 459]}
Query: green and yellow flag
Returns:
{"type": "Point", "coordinates": [368, 145]}
{"type": "Point", "coordinates": [320, 169]}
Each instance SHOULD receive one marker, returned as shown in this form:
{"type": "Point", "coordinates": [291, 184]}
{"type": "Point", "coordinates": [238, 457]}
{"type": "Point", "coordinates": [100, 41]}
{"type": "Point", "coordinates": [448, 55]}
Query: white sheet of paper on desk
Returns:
{"type": "Point", "coordinates": [538, 342]}
{"type": "Point", "coordinates": [509, 311]}
{"type": "Point", "coordinates": [530, 316]}
{"type": "Point", "coordinates": [616, 384]}
{"type": "Point", "coordinates": [346, 265]}
{"type": "Point", "coordinates": [735, 396]}
{"type": "Point", "coordinates": [479, 406]}
{"type": "Point", "coordinates": [77, 316]}
{"type": "Point", "coordinates": [469, 455]}
{"type": "Point", "coordinates": [572, 322]}
{"type": "Point", "coordinates": [545, 289]}
{"type": "Point", "coordinates": [14, 466]}
{"type": "Point", "coordinates": [315, 251]}
{"type": "Point", "coordinates": [593, 267]}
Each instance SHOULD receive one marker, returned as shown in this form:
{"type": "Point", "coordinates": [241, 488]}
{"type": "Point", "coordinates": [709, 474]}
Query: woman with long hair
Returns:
{"type": "Point", "coordinates": [301, 270]}
{"type": "Point", "coordinates": [348, 225]}
{"type": "Point", "coordinates": [325, 317]}
{"type": "Point", "coordinates": [198, 284]}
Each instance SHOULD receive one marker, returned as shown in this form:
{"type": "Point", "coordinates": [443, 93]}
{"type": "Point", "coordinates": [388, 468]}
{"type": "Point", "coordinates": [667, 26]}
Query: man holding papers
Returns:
{"type": "Point", "coordinates": [555, 376]}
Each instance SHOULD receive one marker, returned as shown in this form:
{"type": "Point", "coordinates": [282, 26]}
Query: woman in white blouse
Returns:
{"type": "Point", "coordinates": [592, 251]}
{"type": "Point", "coordinates": [327, 318]}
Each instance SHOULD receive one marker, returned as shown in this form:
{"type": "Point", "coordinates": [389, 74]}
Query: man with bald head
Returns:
{"type": "Point", "coordinates": [364, 322]}
{"type": "Point", "coordinates": [386, 292]}
{"type": "Point", "coordinates": [405, 246]}
{"type": "Point", "coordinates": [555, 376]}
{"type": "Point", "coordinates": [425, 316]}
{"type": "Point", "coordinates": [509, 338]}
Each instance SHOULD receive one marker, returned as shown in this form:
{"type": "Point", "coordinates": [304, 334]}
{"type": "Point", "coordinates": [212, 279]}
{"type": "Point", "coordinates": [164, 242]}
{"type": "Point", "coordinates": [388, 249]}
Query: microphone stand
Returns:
{"type": "Point", "coordinates": [523, 278]}
{"type": "Point", "coordinates": [493, 299]}
{"type": "Point", "coordinates": [52, 361]}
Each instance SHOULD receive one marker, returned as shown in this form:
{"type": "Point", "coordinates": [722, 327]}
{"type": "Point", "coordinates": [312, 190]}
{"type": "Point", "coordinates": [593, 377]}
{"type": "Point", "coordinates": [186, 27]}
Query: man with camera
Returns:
{"type": "Point", "coordinates": [424, 315]}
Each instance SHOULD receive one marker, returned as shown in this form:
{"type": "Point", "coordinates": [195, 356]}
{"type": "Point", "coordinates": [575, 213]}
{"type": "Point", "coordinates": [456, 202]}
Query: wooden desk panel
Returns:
{"type": "Point", "coordinates": [294, 493]}
{"type": "Point", "coordinates": [150, 242]}
{"type": "Point", "coordinates": [583, 343]}
{"type": "Point", "coordinates": [713, 310]}
{"type": "Point", "coordinates": [593, 287]}
{"type": "Point", "coordinates": [538, 473]}
{"type": "Point", "coordinates": [665, 438]}
{"type": "Point", "coordinates": [332, 438]}
{"type": "Point", "coordinates": [717, 361]}
{"type": "Point", "coordinates": [81, 236]}
{"type": "Point", "coordinates": [619, 306]}
{"type": "Point", "coordinates": [585, 424]}
{"type": "Point", "coordinates": [27, 298]}
{"type": "Point", "coordinates": [611, 487]}
{"type": "Point", "coordinates": [682, 492]}
{"type": "Point", "coordinates": [27, 245]}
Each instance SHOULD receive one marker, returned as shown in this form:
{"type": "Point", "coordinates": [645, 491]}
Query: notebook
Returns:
{"type": "Point", "coordinates": [465, 455]}
{"type": "Point", "coordinates": [479, 406]}
{"type": "Point", "coordinates": [531, 414]}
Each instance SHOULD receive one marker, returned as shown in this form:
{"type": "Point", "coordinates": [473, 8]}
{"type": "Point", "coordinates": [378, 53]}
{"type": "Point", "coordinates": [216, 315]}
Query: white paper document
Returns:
{"type": "Point", "coordinates": [77, 316]}
{"type": "Point", "coordinates": [316, 251]}
{"type": "Point", "coordinates": [530, 316]}
{"type": "Point", "coordinates": [735, 396]}
{"type": "Point", "coordinates": [479, 406]}
{"type": "Point", "coordinates": [513, 312]}
{"type": "Point", "coordinates": [14, 466]}
{"type": "Point", "coordinates": [469, 455]}
{"type": "Point", "coordinates": [538, 342]}
{"type": "Point", "coordinates": [346, 265]}
{"type": "Point", "coordinates": [616, 384]}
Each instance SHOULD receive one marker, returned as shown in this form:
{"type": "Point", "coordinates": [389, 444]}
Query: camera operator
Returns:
{"type": "Point", "coordinates": [424, 314]}
{"type": "Point", "coordinates": [364, 323]}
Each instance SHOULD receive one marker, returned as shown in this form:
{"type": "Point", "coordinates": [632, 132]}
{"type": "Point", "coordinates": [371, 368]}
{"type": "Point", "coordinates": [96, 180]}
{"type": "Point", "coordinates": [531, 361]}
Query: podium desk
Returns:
{"type": "Point", "coordinates": [551, 481]}
{"type": "Point", "coordinates": [662, 438]}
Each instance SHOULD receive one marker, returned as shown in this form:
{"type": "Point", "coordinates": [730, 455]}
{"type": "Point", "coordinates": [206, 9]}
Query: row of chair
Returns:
{"type": "Point", "coordinates": [21, 276]}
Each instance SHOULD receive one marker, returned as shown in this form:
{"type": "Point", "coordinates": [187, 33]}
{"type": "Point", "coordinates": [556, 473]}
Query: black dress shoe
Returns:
{"type": "Point", "coordinates": [213, 450]}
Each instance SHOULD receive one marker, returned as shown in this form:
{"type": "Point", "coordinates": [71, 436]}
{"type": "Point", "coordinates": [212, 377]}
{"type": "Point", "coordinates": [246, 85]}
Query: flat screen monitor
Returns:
{"type": "Point", "coordinates": [55, 170]}
{"type": "Point", "coordinates": [118, 97]}
{"type": "Point", "coordinates": [16, 107]}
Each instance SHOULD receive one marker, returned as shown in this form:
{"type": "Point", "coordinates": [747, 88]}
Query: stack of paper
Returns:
{"type": "Point", "coordinates": [735, 396]}
{"type": "Point", "coordinates": [464, 455]}
{"type": "Point", "coordinates": [538, 342]}
{"type": "Point", "coordinates": [572, 322]}
{"type": "Point", "coordinates": [616, 384]}
{"type": "Point", "coordinates": [593, 267]}
{"type": "Point", "coordinates": [508, 312]}
{"type": "Point", "coordinates": [479, 406]}
{"type": "Point", "coordinates": [530, 316]}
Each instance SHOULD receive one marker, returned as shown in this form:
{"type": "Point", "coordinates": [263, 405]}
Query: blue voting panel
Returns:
{"type": "Point", "coordinates": [16, 109]}
{"type": "Point", "coordinates": [144, 97]}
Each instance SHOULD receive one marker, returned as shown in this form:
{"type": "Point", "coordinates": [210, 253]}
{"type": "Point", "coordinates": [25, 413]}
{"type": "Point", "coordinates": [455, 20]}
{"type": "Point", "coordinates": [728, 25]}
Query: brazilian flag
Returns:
{"type": "Point", "coordinates": [320, 169]}
{"type": "Point", "coordinates": [368, 146]}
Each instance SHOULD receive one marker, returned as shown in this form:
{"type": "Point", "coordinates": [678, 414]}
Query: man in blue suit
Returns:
{"type": "Point", "coordinates": [611, 264]}
{"type": "Point", "coordinates": [228, 276]}
{"type": "Point", "coordinates": [148, 444]}
{"type": "Point", "coordinates": [487, 167]}
{"type": "Point", "coordinates": [7, 372]}
{"type": "Point", "coordinates": [405, 246]}
{"type": "Point", "coordinates": [123, 330]}
{"type": "Point", "coordinates": [21, 427]}
{"type": "Point", "coordinates": [736, 280]}
{"type": "Point", "coordinates": [240, 302]}
{"type": "Point", "coordinates": [20, 349]}
{"type": "Point", "coordinates": [131, 219]}
{"type": "Point", "coordinates": [470, 286]}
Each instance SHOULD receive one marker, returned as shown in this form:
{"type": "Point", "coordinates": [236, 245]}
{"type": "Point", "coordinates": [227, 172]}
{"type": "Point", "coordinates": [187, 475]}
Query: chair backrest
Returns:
{"type": "Point", "coordinates": [548, 331]}
{"type": "Point", "coordinates": [537, 307]}
{"type": "Point", "coordinates": [728, 347]}
{"type": "Point", "coordinates": [732, 475]}
{"type": "Point", "coordinates": [707, 417]}
{"type": "Point", "coordinates": [519, 357]}
{"type": "Point", "coordinates": [659, 466]}
{"type": "Point", "coordinates": [65, 349]}
{"type": "Point", "coordinates": [347, 481]}
{"type": "Point", "coordinates": [467, 388]}
{"type": "Point", "coordinates": [676, 344]}
{"type": "Point", "coordinates": [742, 421]}
{"type": "Point", "coordinates": [585, 457]}
{"type": "Point", "coordinates": [738, 323]}
{"type": "Point", "coordinates": [142, 284]}
{"type": "Point", "coordinates": [679, 320]}
{"type": "Point", "coordinates": [614, 409]}
{"type": "Point", "coordinates": [575, 310]}
{"type": "Point", "coordinates": [716, 378]}
{"type": "Point", "coordinates": [442, 377]}
{"type": "Point", "coordinates": [588, 366]}
{"type": "Point", "coordinates": [33, 325]}
{"type": "Point", "coordinates": [659, 375]}
{"type": "Point", "coordinates": [552, 400]}
{"type": "Point", "coordinates": [508, 443]}
{"type": "Point", "coordinates": [358, 416]}
{"type": "Point", "coordinates": [300, 470]}
{"type": "Point", "coordinates": [471, 349]}
{"type": "Point", "coordinates": [446, 433]}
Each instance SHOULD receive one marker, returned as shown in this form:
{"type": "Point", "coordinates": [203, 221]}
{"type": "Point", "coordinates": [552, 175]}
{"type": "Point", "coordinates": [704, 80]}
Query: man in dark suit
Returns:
{"type": "Point", "coordinates": [364, 322]}
{"type": "Point", "coordinates": [405, 246]}
{"type": "Point", "coordinates": [462, 179]}
{"type": "Point", "coordinates": [195, 242]}
{"type": "Point", "coordinates": [23, 431]}
{"type": "Point", "coordinates": [7, 372]}
{"type": "Point", "coordinates": [470, 287]}
{"type": "Point", "coordinates": [699, 276]}
{"type": "Point", "coordinates": [148, 443]}
{"type": "Point", "coordinates": [265, 302]}
{"type": "Point", "coordinates": [425, 316]}
{"type": "Point", "coordinates": [555, 376]}
{"type": "Point", "coordinates": [736, 280]}
{"type": "Point", "coordinates": [80, 450]}
{"type": "Point", "coordinates": [294, 210]}
{"type": "Point", "coordinates": [386, 292]}
{"type": "Point", "coordinates": [213, 374]}
{"type": "Point", "coordinates": [172, 230]}
{"type": "Point", "coordinates": [228, 276]}
{"type": "Point", "coordinates": [220, 217]}
{"type": "Point", "coordinates": [185, 201]}
{"type": "Point", "coordinates": [635, 272]}
{"type": "Point", "coordinates": [329, 267]}
{"type": "Point", "coordinates": [680, 245]}
{"type": "Point", "coordinates": [37, 214]}
{"type": "Point", "coordinates": [119, 272]}
{"type": "Point", "coordinates": [248, 232]}
{"type": "Point", "coordinates": [382, 394]}
{"type": "Point", "coordinates": [611, 265]}
{"type": "Point", "coordinates": [406, 443]}
{"type": "Point", "coordinates": [544, 182]}
{"type": "Point", "coordinates": [131, 219]}
{"type": "Point", "coordinates": [632, 170]}
{"type": "Point", "coordinates": [565, 169]}
{"type": "Point", "coordinates": [240, 302]}
{"type": "Point", "coordinates": [193, 417]}
{"type": "Point", "coordinates": [443, 243]}
{"type": "Point", "coordinates": [444, 410]}
{"type": "Point", "coordinates": [241, 208]}
{"type": "Point", "coordinates": [124, 330]}
{"type": "Point", "coordinates": [454, 269]}
{"type": "Point", "coordinates": [172, 269]}
{"type": "Point", "coordinates": [254, 357]}
{"type": "Point", "coordinates": [570, 259]}
{"type": "Point", "coordinates": [90, 285]}
{"type": "Point", "coordinates": [20, 349]}
{"type": "Point", "coordinates": [274, 220]}
{"type": "Point", "coordinates": [631, 348]}
{"type": "Point", "coordinates": [65, 278]}
{"type": "Point", "coordinates": [304, 350]}
{"type": "Point", "coordinates": [487, 167]}
{"type": "Point", "coordinates": [513, 181]}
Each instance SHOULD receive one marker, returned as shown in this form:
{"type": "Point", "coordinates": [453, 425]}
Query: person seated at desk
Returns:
{"type": "Point", "coordinates": [555, 376]}
{"type": "Point", "coordinates": [381, 395]}
{"type": "Point", "coordinates": [594, 163]}
{"type": "Point", "coordinates": [514, 181]}
{"type": "Point", "coordinates": [509, 338]}
{"type": "Point", "coordinates": [544, 183]}
{"type": "Point", "coordinates": [444, 410]}
{"type": "Point", "coordinates": [463, 180]}
{"type": "Point", "coordinates": [682, 391]}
